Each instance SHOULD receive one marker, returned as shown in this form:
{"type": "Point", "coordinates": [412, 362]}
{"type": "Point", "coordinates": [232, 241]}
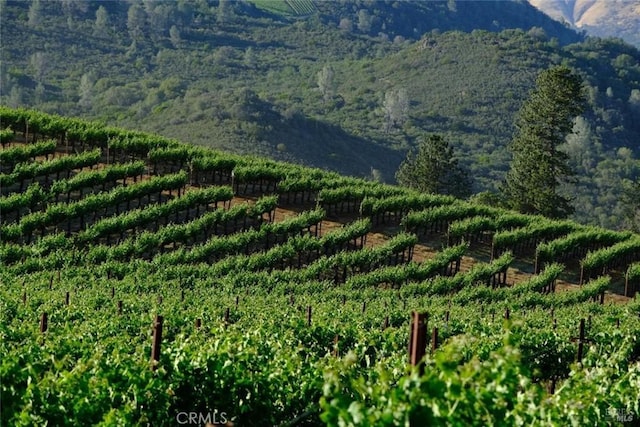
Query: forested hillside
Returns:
{"type": "Point", "coordinates": [317, 85]}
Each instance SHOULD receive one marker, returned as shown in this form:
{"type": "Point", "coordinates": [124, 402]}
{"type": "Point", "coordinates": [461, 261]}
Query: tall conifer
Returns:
{"type": "Point", "coordinates": [538, 167]}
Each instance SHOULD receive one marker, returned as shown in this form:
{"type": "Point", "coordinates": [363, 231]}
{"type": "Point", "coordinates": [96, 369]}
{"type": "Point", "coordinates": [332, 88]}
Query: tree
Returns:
{"type": "Point", "coordinates": [40, 64]}
{"type": "Point", "coordinates": [433, 169]}
{"type": "Point", "coordinates": [631, 204]}
{"type": "Point", "coordinates": [250, 58]}
{"type": "Point", "coordinates": [364, 21]}
{"type": "Point", "coordinates": [538, 168]}
{"type": "Point", "coordinates": [86, 91]}
{"type": "Point", "coordinates": [346, 25]}
{"type": "Point", "coordinates": [136, 20]}
{"type": "Point", "coordinates": [396, 108]}
{"type": "Point", "coordinates": [35, 14]}
{"type": "Point", "coordinates": [326, 83]}
{"type": "Point", "coordinates": [16, 97]}
{"type": "Point", "coordinates": [225, 11]}
{"type": "Point", "coordinates": [174, 36]}
{"type": "Point", "coordinates": [101, 25]}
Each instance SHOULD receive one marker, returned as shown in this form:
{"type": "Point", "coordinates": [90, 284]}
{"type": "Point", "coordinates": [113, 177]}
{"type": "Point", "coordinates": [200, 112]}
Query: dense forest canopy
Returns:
{"type": "Point", "coordinates": [251, 78]}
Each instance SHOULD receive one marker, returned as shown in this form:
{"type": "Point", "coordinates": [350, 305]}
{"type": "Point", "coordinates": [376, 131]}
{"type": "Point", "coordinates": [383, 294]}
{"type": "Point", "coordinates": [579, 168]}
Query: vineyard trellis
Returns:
{"type": "Point", "coordinates": [180, 282]}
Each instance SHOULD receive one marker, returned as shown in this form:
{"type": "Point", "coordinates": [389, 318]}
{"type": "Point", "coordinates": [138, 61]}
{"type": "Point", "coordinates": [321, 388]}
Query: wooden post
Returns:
{"type": "Point", "coordinates": [198, 323]}
{"type": "Point", "coordinates": [506, 314]}
{"type": "Point", "coordinates": [157, 339]}
{"type": "Point", "coordinates": [226, 317]}
{"type": "Point", "coordinates": [44, 322]}
{"type": "Point", "coordinates": [418, 339]}
{"type": "Point", "coordinates": [581, 341]}
{"type": "Point", "coordinates": [120, 307]}
{"type": "Point", "coordinates": [336, 352]}
{"type": "Point", "coordinates": [24, 297]}
{"type": "Point", "coordinates": [364, 306]}
{"type": "Point", "coordinates": [309, 316]}
{"type": "Point", "coordinates": [385, 325]}
{"type": "Point", "coordinates": [113, 292]}
{"type": "Point", "coordinates": [66, 299]}
{"type": "Point", "coordinates": [626, 285]}
{"type": "Point", "coordinates": [237, 301]}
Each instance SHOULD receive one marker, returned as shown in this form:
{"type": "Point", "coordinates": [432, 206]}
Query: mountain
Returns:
{"type": "Point", "coordinates": [313, 86]}
{"type": "Point", "coordinates": [604, 18]}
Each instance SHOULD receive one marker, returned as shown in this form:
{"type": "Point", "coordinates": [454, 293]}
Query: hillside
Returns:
{"type": "Point", "coordinates": [236, 77]}
{"type": "Point", "coordinates": [602, 18]}
{"type": "Point", "coordinates": [144, 280]}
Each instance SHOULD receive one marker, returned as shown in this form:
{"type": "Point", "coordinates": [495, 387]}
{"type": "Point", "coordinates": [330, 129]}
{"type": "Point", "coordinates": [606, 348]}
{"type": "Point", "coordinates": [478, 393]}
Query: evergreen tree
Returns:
{"type": "Point", "coordinates": [433, 169]}
{"type": "Point", "coordinates": [538, 167]}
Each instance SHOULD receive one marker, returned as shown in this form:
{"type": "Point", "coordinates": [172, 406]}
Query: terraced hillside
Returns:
{"type": "Point", "coordinates": [148, 282]}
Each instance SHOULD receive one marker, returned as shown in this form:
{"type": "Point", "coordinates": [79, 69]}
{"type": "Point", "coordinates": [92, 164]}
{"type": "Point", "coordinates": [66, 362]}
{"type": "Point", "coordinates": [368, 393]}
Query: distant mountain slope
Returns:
{"type": "Point", "coordinates": [604, 18]}
{"type": "Point", "coordinates": [236, 77]}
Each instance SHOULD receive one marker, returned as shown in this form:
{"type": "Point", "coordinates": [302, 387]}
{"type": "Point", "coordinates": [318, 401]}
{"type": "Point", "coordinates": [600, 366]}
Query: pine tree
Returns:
{"type": "Point", "coordinates": [433, 169]}
{"type": "Point", "coordinates": [538, 168]}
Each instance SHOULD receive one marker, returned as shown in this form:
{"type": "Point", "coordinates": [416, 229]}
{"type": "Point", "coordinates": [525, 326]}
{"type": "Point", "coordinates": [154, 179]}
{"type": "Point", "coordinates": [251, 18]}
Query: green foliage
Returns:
{"type": "Point", "coordinates": [296, 324]}
{"type": "Point", "coordinates": [631, 196]}
{"type": "Point", "coordinates": [538, 166]}
{"type": "Point", "coordinates": [433, 169]}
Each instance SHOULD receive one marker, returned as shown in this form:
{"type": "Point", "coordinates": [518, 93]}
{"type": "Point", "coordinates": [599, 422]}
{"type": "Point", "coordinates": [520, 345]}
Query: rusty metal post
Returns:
{"type": "Point", "coordinates": [418, 339]}
{"type": "Point", "coordinates": [44, 322]}
{"type": "Point", "coordinates": [157, 340]}
{"type": "Point", "coordinates": [581, 341]}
